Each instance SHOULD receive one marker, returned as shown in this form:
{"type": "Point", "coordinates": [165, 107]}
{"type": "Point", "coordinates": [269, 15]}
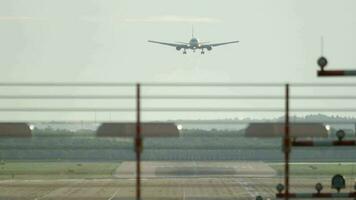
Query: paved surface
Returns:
{"type": "Point", "coordinates": [196, 169]}
{"type": "Point", "coordinates": [179, 180]}
{"type": "Point", "coordinates": [155, 188]}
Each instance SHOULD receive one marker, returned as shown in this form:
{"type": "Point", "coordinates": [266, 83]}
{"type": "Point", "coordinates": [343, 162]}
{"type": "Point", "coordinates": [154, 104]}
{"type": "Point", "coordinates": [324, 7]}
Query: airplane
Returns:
{"type": "Point", "coordinates": [193, 44]}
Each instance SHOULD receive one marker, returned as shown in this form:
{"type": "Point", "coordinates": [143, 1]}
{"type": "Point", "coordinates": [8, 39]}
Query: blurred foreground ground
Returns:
{"type": "Point", "coordinates": [172, 180]}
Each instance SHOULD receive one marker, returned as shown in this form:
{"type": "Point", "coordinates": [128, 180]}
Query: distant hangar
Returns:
{"type": "Point", "coordinates": [15, 129]}
{"type": "Point", "coordinates": [152, 129]}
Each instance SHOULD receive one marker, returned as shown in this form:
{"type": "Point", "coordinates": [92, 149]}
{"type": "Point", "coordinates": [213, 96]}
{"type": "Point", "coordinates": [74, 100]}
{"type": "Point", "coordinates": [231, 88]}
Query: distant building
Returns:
{"type": "Point", "coordinates": [9, 129]}
{"type": "Point", "coordinates": [129, 130]}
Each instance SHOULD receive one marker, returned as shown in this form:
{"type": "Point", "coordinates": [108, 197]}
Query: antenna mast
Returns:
{"type": "Point", "coordinates": [322, 45]}
{"type": "Point", "coordinates": [192, 31]}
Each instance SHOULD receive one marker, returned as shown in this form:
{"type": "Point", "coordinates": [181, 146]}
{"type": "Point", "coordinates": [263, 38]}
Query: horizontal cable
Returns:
{"type": "Point", "coordinates": [344, 97]}
{"type": "Point", "coordinates": [246, 109]}
{"type": "Point", "coordinates": [180, 121]}
{"type": "Point", "coordinates": [163, 84]}
{"type": "Point", "coordinates": [213, 84]}
{"type": "Point", "coordinates": [323, 110]}
{"type": "Point", "coordinates": [33, 109]}
{"type": "Point", "coordinates": [197, 109]}
{"type": "Point", "coordinates": [177, 97]}
{"type": "Point", "coordinates": [169, 84]}
{"type": "Point", "coordinates": [181, 136]}
{"type": "Point", "coordinates": [64, 84]}
{"type": "Point", "coordinates": [246, 84]}
{"type": "Point", "coordinates": [323, 84]}
{"type": "Point", "coordinates": [67, 97]}
{"type": "Point", "coordinates": [257, 121]}
{"type": "Point", "coordinates": [158, 109]}
{"type": "Point", "coordinates": [221, 147]}
{"type": "Point", "coordinates": [175, 109]}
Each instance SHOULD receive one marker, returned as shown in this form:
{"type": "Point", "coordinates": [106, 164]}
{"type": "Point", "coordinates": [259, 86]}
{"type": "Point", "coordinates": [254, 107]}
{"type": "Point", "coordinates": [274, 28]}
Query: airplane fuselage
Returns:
{"type": "Point", "coordinates": [194, 43]}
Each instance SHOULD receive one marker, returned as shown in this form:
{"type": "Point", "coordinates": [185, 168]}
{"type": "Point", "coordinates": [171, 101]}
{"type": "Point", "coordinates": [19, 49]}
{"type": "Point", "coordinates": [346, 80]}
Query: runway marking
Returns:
{"type": "Point", "coordinates": [77, 181]}
{"type": "Point", "coordinates": [247, 187]}
{"type": "Point", "coordinates": [45, 195]}
{"type": "Point", "coordinates": [316, 163]}
{"type": "Point", "coordinates": [112, 197]}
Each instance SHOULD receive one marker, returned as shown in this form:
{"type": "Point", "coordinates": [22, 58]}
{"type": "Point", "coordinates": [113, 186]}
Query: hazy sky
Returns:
{"type": "Point", "coordinates": [106, 40]}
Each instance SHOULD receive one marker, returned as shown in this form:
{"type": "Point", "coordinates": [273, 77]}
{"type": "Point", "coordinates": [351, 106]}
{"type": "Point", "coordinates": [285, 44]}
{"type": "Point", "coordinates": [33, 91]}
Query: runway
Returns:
{"type": "Point", "coordinates": [198, 169]}
{"type": "Point", "coordinates": [188, 184]}
{"type": "Point", "coordinates": [181, 188]}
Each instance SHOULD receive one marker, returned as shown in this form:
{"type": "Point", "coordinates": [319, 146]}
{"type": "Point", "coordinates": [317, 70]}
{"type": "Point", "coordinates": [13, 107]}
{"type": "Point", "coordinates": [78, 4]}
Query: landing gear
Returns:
{"type": "Point", "coordinates": [202, 52]}
{"type": "Point", "coordinates": [184, 52]}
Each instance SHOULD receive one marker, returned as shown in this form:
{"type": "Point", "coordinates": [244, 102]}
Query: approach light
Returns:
{"type": "Point", "coordinates": [179, 127]}
{"type": "Point", "coordinates": [280, 188]}
{"type": "Point", "coordinates": [322, 62]}
{"type": "Point", "coordinates": [318, 187]}
{"type": "Point", "coordinates": [338, 182]}
{"type": "Point", "coordinates": [259, 198]}
{"type": "Point", "coordinates": [340, 134]}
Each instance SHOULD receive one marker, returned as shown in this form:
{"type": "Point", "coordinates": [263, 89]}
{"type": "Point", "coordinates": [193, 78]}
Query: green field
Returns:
{"type": "Point", "coordinates": [317, 169]}
{"type": "Point", "coordinates": [56, 170]}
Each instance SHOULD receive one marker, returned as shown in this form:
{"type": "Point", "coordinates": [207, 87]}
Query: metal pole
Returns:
{"type": "Point", "coordinates": [138, 143]}
{"type": "Point", "coordinates": [286, 144]}
{"type": "Point", "coordinates": [326, 73]}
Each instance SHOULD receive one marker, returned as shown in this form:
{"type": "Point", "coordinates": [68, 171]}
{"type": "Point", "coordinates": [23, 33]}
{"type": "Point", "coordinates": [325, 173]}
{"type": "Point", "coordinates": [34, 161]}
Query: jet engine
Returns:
{"type": "Point", "coordinates": [178, 48]}
{"type": "Point", "coordinates": [209, 48]}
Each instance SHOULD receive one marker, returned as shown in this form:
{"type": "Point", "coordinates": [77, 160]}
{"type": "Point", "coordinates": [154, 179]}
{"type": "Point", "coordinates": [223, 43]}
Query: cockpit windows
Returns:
{"type": "Point", "coordinates": [194, 40]}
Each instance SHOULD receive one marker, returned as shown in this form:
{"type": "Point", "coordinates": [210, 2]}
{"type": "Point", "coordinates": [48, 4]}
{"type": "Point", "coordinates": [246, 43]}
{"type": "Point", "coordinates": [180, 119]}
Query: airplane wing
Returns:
{"type": "Point", "coordinates": [169, 44]}
{"type": "Point", "coordinates": [218, 44]}
{"type": "Point", "coordinates": [182, 43]}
